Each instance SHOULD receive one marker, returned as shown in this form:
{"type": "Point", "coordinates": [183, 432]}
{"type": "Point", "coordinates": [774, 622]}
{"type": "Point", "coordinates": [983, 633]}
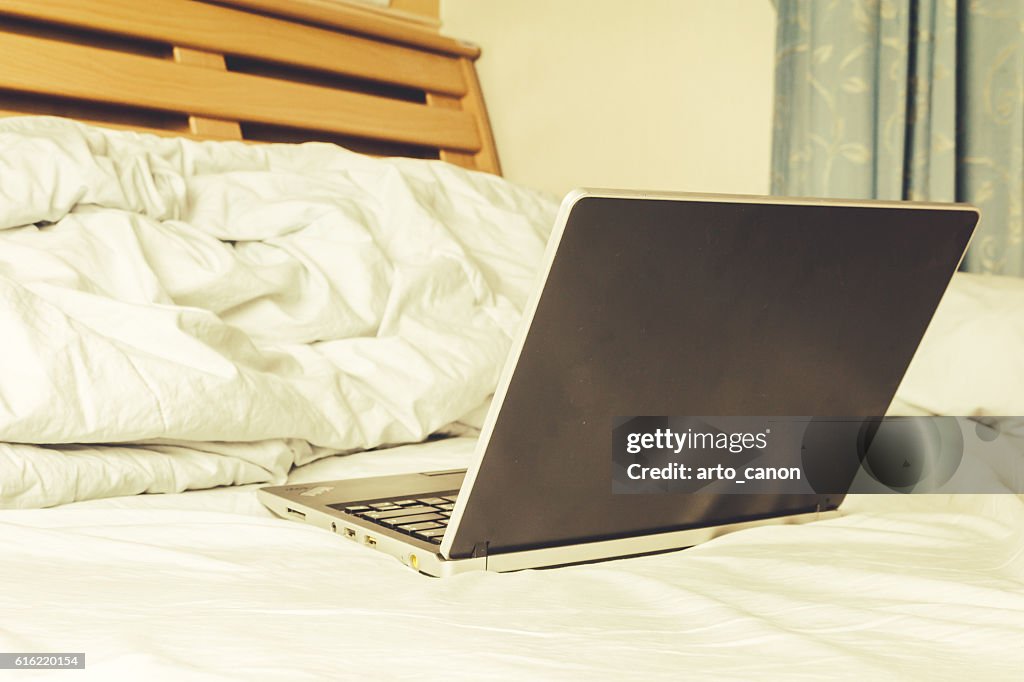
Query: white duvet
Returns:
{"type": "Point", "coordinates": [183, 315]}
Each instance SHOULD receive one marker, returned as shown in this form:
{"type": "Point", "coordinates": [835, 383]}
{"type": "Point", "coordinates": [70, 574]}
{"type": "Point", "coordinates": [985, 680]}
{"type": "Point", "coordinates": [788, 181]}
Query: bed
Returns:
{"type": "Point", "coordinates": [193, 307]}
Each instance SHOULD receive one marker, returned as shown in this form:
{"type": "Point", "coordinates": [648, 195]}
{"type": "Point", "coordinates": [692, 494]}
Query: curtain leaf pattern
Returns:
{"type": "Point", "coordinates": [906, 99]}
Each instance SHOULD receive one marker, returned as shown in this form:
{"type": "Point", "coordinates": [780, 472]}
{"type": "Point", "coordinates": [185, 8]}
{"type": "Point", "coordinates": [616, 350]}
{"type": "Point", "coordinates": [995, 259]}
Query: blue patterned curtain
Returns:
{"type": "Point", "coordinates": [906, 99]}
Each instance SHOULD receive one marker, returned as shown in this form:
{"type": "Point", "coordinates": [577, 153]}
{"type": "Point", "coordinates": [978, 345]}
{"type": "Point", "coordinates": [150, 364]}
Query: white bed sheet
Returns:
{"type": "Point", "coordinates": [208, 585]}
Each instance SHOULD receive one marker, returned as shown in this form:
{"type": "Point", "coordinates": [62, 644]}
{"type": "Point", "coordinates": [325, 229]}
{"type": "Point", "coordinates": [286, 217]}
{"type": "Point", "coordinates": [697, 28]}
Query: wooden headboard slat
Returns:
{"type": "Point", "coordinates": [42, 66]}
{"type": "Point", "coordinates": [202, 26]}
{"type": "Point", "coordinates": [486, 155]}
{"type": "Point", "coordinates": [107, 123]}
{"type": "Point", "coordinates": [200, 125]}
{"type": "Point", "coordinates": [464, 159]}
{"type": "Point", "coordinates": [360, 20]}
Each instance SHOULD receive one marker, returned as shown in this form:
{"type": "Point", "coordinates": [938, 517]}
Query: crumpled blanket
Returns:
{"type": "Point", "coordinates": [178, 314]}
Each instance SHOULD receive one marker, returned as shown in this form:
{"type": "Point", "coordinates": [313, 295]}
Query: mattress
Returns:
{"type": "Point", "coordinates": [237, 371]}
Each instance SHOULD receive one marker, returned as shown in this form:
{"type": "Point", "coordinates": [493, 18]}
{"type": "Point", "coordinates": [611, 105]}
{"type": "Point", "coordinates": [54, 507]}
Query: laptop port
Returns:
{"type": "Point", "coordinates": [296, 513]}
{"type": "Point", "coordinates": [350, 534]}
{"type": "Point", "coordinates": [370, 541]}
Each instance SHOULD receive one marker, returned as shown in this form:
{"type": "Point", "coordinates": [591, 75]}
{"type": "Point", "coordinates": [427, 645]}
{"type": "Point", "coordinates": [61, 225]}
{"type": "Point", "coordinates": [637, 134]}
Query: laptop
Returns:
{"type": "Point", "coordinates": [662, 304]}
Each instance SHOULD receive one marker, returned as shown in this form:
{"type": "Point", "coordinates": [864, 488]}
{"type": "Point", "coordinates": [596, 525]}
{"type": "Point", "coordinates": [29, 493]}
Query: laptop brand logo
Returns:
{"type": "Point", "coordinates": [319, 490]}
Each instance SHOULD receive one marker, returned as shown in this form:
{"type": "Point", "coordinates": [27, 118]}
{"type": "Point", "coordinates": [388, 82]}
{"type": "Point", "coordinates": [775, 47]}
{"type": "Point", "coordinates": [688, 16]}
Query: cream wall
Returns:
{"type": "Point", "coordinates": [656, 94]}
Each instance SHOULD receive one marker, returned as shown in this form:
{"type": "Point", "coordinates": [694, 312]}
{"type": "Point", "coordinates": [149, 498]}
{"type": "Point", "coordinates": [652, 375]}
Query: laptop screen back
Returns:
{"type": "Point", "coordinates": [699, 307]}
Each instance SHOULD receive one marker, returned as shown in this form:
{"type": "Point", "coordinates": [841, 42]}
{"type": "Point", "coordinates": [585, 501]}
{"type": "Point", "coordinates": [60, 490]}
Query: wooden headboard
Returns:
{"type": "Point", "coordinates": [261, 70]}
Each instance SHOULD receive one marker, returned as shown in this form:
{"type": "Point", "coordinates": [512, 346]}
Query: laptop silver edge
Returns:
{"type": "Point", "coordinates": [426, 560]}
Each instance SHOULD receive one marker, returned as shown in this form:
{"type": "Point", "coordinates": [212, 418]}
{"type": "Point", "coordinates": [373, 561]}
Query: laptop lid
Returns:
{"type": "Point", "coordinates": [695, 305]}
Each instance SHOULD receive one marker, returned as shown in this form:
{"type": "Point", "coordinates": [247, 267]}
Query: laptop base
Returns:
{"type": "Point", "coordinates": [308, 503]}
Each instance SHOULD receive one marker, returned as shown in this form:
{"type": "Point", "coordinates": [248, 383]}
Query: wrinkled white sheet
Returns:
{"type": "Point", "coordinates": [207, 585]}
{"type": "Point", "coordinates": [179, 315]}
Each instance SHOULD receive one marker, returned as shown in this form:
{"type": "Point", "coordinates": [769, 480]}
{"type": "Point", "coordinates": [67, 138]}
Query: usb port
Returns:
{"type": "Point", "coordinates": [350, 534]}
{"type": "Point", "coordinates": [371, 541]}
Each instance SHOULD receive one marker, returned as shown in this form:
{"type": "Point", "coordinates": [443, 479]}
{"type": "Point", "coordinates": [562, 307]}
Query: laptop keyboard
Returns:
{"type": "Point", "coordinates": [423, 517]}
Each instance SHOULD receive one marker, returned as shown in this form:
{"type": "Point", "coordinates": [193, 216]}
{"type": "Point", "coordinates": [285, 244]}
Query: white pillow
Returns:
{"type": "Point", "coordinates": [971, 360]}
